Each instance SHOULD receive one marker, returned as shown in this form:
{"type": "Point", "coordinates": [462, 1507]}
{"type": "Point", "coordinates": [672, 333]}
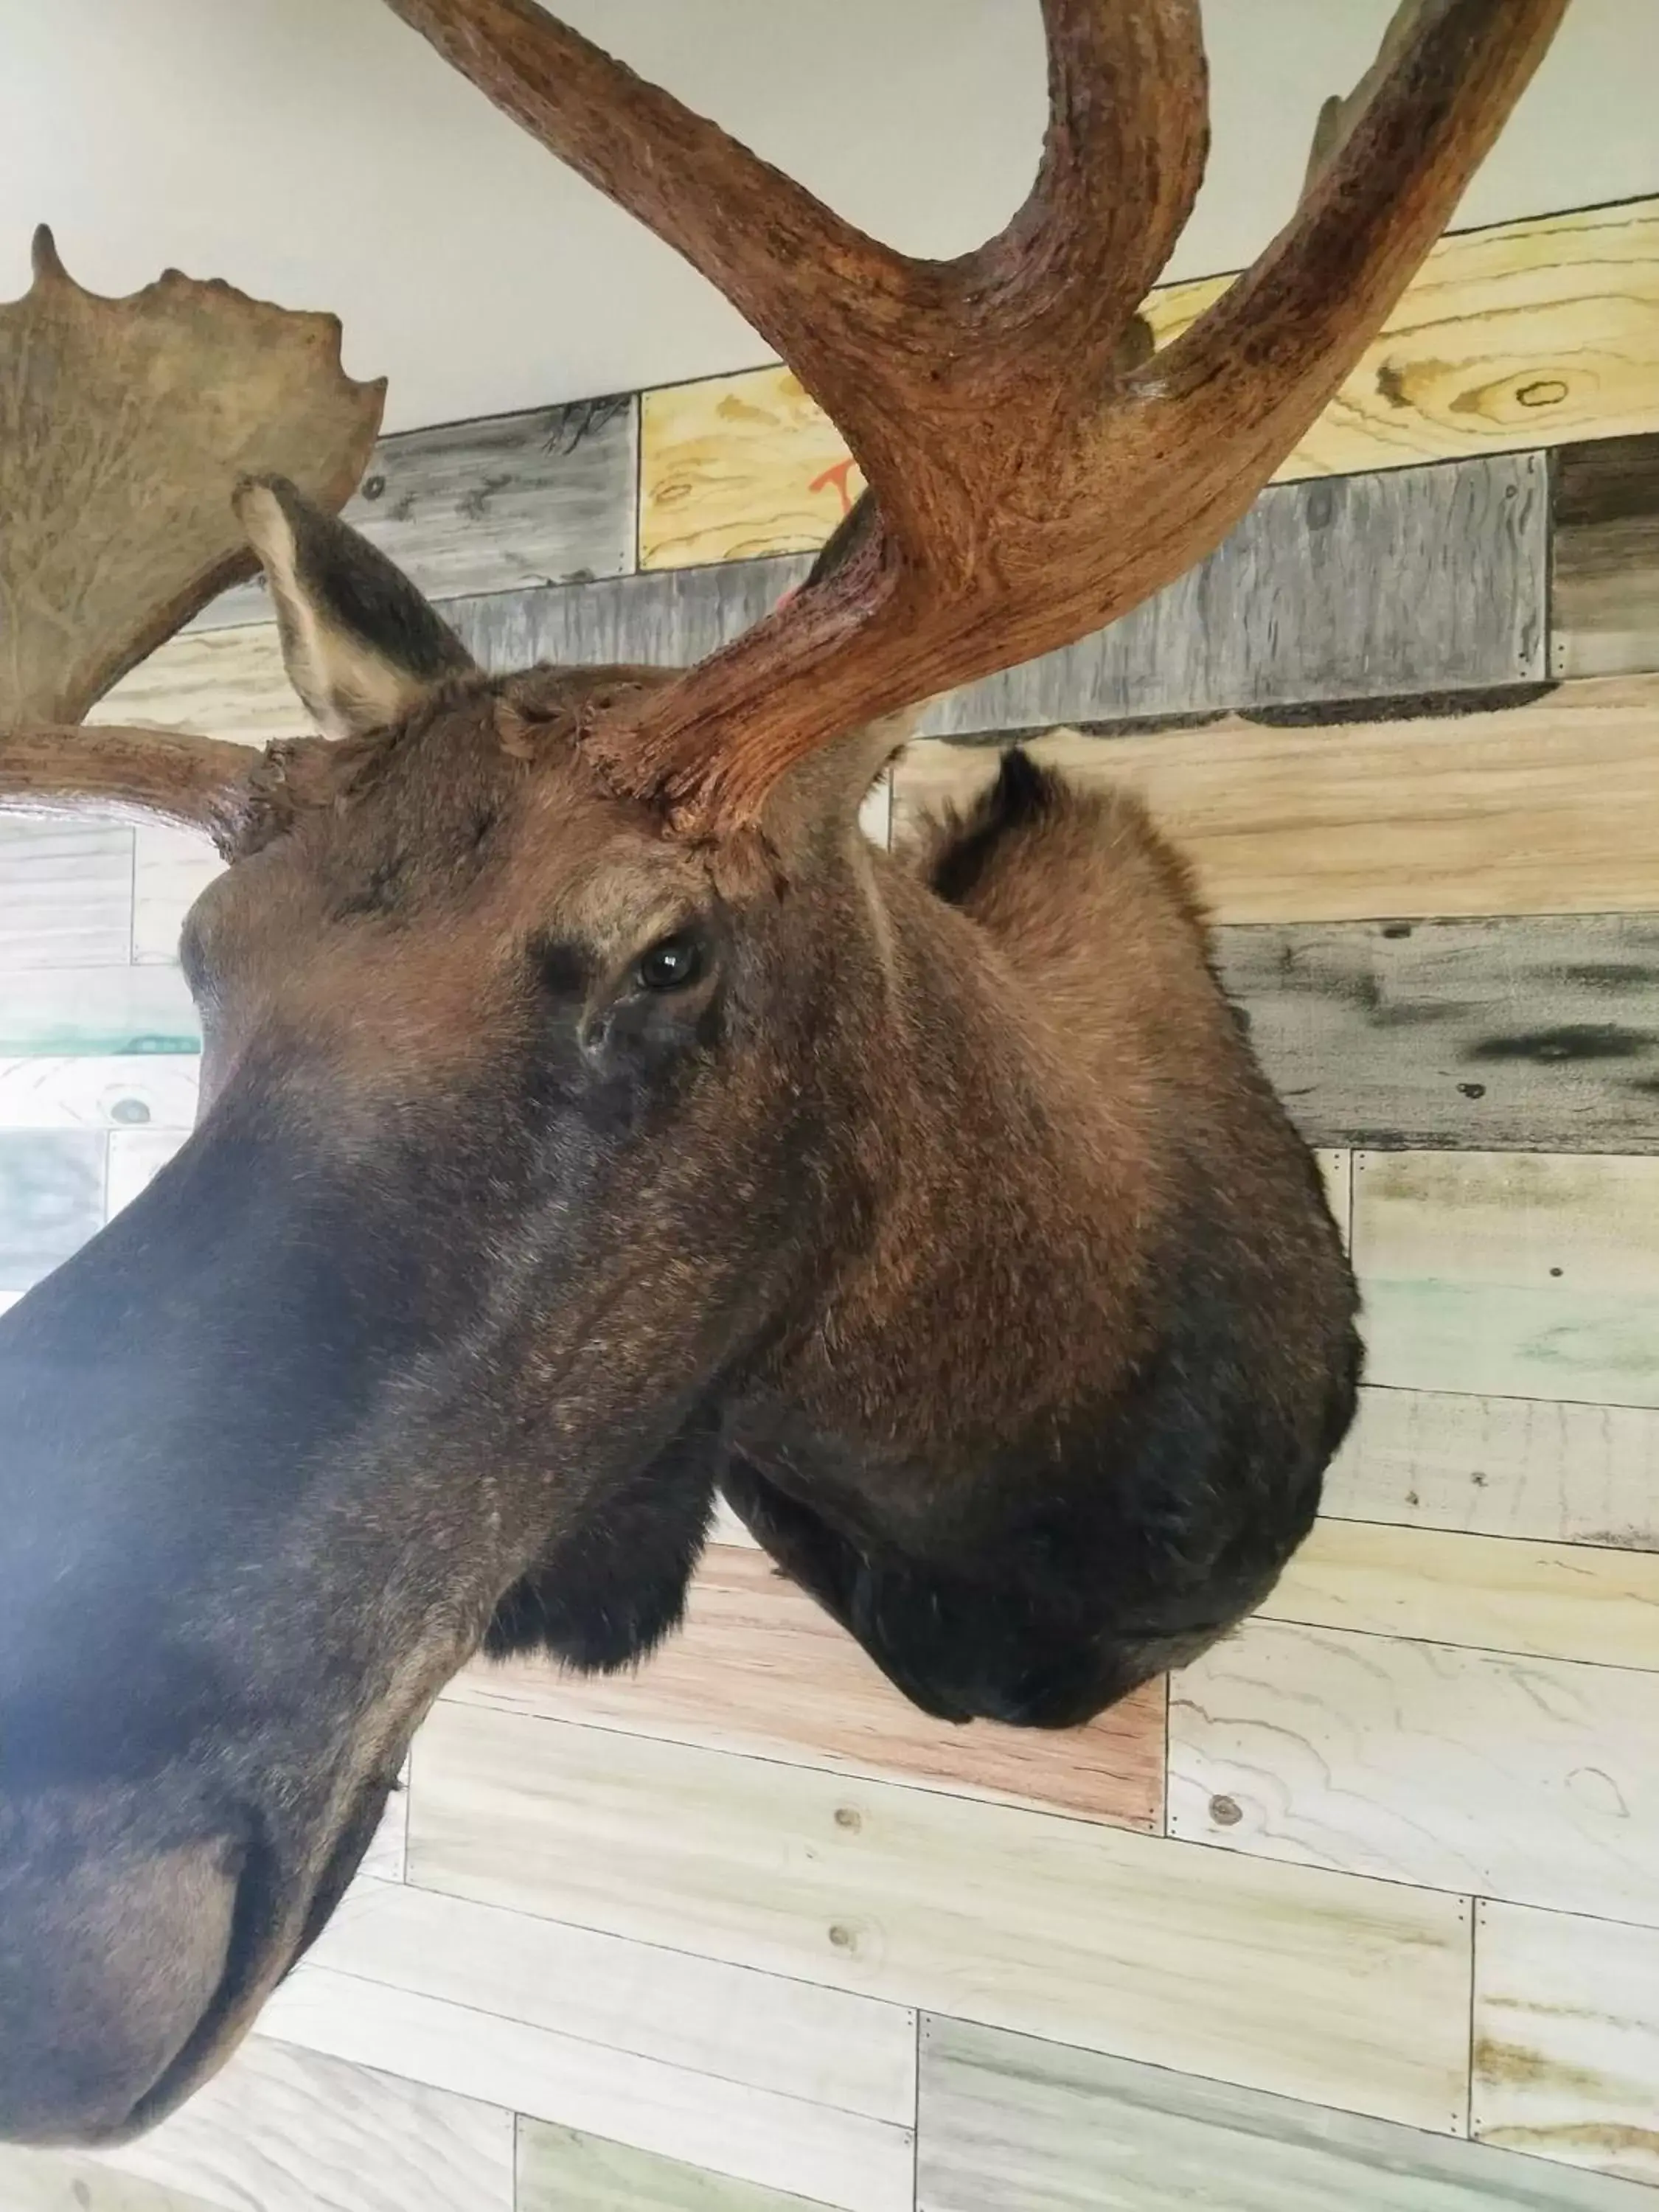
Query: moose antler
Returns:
{"type": "Point", "coordinates": [1030, 486]}
{"type": "Point", "coordinates": [124, 426]}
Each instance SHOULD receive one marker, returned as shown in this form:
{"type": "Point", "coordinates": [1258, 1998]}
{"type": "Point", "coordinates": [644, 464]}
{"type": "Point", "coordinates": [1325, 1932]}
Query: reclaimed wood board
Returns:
{"type": "Point", "coordinates": [112, 1013]}
{"type": "Point", "coordinates": [1604, 589]}
{"type": "Point", "coordinates": [62, 2181]}
{"type": "Point", "coordinates": [220, 683]}
{"type": "Point", "coordinates": [171, 869]}
{"type": "Point", "coordinates": [760, 1667]}
{"type": "Point", "coordinates": [562, 2171]}
{"type": "Point", "coordinates": [495, 504]}
{"type": "Point", "coordinates": [51, 1199]}
{"type": "Point", "coordinates": [1538, 1034]}
{"type": "Point", "coordinates": [1524, 335]}
{"type": "Point", "coordinates": [1526, 1468]}
{"type": "Point", "coordinates": [1496, 1593]}
{"type": "Point", "coordinates": [1533, 1780]}
{"type": "Point", "coordinates": [1090, 1934]}
{"type": "Point", "coordinates": [1011, 2125]}
{"type": "Point", "coordinates": [1566, 2039]}
{"type": "Point", "coordinates": [65, 892]}
{"type": "Point", "coordinates": [1510, 1274]}
{"type": "Point", "coordinates": [1552, 807]}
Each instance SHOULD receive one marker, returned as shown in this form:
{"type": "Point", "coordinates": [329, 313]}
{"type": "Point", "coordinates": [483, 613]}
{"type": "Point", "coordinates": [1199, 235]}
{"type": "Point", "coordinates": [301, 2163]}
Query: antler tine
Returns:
{"type": "Point", "coordinates": [172, 775]}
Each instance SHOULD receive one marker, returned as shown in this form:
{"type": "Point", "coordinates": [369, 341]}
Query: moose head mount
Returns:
{"type": "Point", "coordinates": [591, 1121]}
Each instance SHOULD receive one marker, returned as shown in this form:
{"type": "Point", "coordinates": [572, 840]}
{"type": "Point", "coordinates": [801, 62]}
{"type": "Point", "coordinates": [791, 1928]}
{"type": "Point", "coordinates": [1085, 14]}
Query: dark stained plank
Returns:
{"type": "Point", "coordinates": [1535, 1033]}
{"type": "Point", "coordinates": [501, 504]}
{"type": "Point", "coordinates": [1007, 2122]}
{"type": "Point", "coordinates": [1604, 598]}
{"type": "Point", "coordinates": [664, 620]}
{"type": "Point", "coordinates": [51, 1199]}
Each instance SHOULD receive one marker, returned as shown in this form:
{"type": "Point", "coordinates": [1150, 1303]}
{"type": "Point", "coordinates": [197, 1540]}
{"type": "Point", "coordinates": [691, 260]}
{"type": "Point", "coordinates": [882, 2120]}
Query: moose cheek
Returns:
{"type": "Point", "coordinates": [642, 1035]}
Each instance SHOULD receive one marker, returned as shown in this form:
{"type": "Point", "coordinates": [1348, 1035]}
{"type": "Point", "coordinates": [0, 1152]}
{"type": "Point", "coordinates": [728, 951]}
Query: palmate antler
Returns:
{"type": "Point", "coordinates": [1029, 488]}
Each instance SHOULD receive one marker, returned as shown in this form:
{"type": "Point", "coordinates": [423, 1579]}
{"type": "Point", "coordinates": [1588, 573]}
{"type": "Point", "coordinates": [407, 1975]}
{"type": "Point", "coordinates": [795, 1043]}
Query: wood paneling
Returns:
{"type": "Point", "coordinates": [112, 1013]}
{"type": "Point", "coordinates": [1009, 2125]}
{"type": "Point", "coordinates": [760, 1667]}
{"type": "Point", "coordinates": [1502, 1467]}
{"type": "Point", "coordinates": [223, 683]}
{"type": "Point", "coordinates": [285, 2131]}
{"type": "Point", "coordinates": [1548, 808]}
{"type": "Point", "coordinates": [58, 2181]}
{"type": "Point", "coordinates": [1510, 1274]}
{"type": "Point", "coordinates": [1604, 600]}
{"type": "Point", "coordinates": [1522, 336]}
{"type": "Point", "coordinates": [1529, 1779]}
{"type": "Point", "coordinates": [65, 893]}
{"type": "Point", "coordinates": [1497, 1593]}
{"type": "Point", "coordinates": [155, 1090]}
{"type": "Point", "coordinates": [1566, 2039]}
{"type": "Point", "coordinates": [1028, 1920]}
{"type": "Point", "coordinates": [663, 622]}
{"type": "Point", "coordinates": [561, 2170]}
{"type": "Point", "coordinates": [51, 1199]}
{"type": "Point", "coordinates": [493, 505]}
{"type": "Point", "coordinates": [171, 869]}
{"type": "Point", "coordinates": [1540, 1033]}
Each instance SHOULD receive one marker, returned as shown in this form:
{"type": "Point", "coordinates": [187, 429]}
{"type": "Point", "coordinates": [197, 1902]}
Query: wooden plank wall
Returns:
{"type": "Point", "coordinates": [1364, 1909]}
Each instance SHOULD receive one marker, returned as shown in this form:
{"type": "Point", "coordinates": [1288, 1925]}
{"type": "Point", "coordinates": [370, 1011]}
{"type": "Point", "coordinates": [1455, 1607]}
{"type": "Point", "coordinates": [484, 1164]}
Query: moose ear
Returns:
{"type": "Point", "coordinates": [361, 645]}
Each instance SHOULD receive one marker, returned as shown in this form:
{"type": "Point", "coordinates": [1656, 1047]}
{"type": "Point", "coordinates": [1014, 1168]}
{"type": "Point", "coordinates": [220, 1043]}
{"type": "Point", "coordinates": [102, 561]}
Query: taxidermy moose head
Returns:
{"type": "Point", "coordinates": [592, 1122]}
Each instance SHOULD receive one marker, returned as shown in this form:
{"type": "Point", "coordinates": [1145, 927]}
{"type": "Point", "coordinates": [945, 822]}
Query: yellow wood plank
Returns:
{"type": "Point", "coordinates": [1346, 1992]}
{"type": "Point", "coordinates": [1534, 1780]}
{"type": "Point", "coordinates": [1566, 2039]}
{"type": "Point", "coordinates": [1496, 1593]}
{"type": "Point", "coordinates": [1510, 1274]}
{"type": "Point", "coordinates": [1549, 808]}
{"type": "Point", "coordinates": [1529, 334]}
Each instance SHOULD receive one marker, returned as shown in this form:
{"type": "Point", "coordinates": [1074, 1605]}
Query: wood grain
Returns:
{"type": "Point", "coordinates": [112, 1013]}
{"type": "Point", "coordinates": [220, 683]}
{"type": "Point", "coordinates": [562, 2171]}
{"type": "Point", "coordinates": [1566, 2039]}
{"type": "Point", "coordinates": [285, 2131]}
{"type": "Point", "coordinates": [1540, 1033]}
{"type": "Point", "coordinates": [171, 869]}
{"type": "Point", "coordinates": [1008, 2122]}
{"type": "Point", "coordinates": [1020, 1919]}
{"type": "Point", "coordinates": [761, 1668]}
{"type": "Point", "coordinates": [65, 893]}
{"type": "Point", "coordinates": [1527, 1779]}
{"type": "Point", "coordinates": [59, 2181]}
{"type": "Point", "coordinates": [1510, 1274]}
{"type": "Point", "coordinates": [1548, 808]}
{"type": "Point", "coordinates": [1525, 335]}
{"type": "Point", "coordinates": [499, 503]}
{"type": "Point", "coordinates": [1497, 1593]}
{"type": "Point", "coordinates": [1604, 594]}
{"type": "Point", "coordinates": [153, 1090]}
{"type": "Point", "coordinates": [1502, 1467]}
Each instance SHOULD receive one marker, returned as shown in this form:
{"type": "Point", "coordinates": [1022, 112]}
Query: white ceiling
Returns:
{"type": "Point", "coordinates": [317, 153]}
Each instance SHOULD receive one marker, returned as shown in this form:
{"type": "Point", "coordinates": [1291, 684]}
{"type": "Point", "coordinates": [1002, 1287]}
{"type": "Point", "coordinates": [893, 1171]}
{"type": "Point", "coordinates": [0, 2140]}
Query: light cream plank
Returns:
{"type": "Point", "coordinates": [65, 892]}
{"type": "Point", "coordinates": [856, 2164]}
{"type": "Point", "coordinates": [59, 2181]}
{"type": "Point", "coordinates": [1009, 2125]}
{"type": "Point", "coordinates": [1497, 1592]}
{"type": "Point", "coordinates": [136, 1157]}
{"type": "Point", "coordinates": [1529, 1779]}
{"type": "Point", "coordinates": [224, 683]}
{"type": "Point", "coordinates": [171, 869]}
{"type": "Point", "coordinates": [386, 1858]}
{"type": "Point", "coordinates": [561, 2170]}
{"type": "Point", "coordinates": [285, 2131]}
{"type": "Point", "coordinates": [112, 1012]}
{"type": "Point", "coordinates": [823, 2046]}
{"type": "Point", "coordinates": [1347, 1992]}
{"type": "Point", "coordinates": [1566, 2039]}
{"type": "Point", "coordinates": [1510, 1274]}
{"type": "Point", "coordinates": [1502, 1467]}
{"type": "Point", "coordinates": [146, 1090]}
{"type": "Point", "coordinates": [1549, 808]}
{"type": "Point", "coordinates": [1337, 1170]}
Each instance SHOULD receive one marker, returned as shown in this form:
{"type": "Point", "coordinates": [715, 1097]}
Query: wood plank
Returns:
{"type": "Point", "coordinates": [150, 1089]}
{"type": "Point", "coordinates": [495, 504]}
{"type": "Point", "coordinates": [222, 683]}
{"type": "Point", "coordinates": [51, 1199]}
{"type": "Point", "coordinates": [760, 1667]}
{"type": "Point", "coordinates": [171, 869]}
{"type": "Point", "coordinates": [1566, 2039]}
{"type": "Point", "coordinates": [1028, 1920]}
{"type": "Point", "coordinates": [664, 621]}
{"type": "Point", "coordinates": [109, 1012]}
{"type": "Point", "coordinates": [1491, 1593]}
{"type": "Point", "coordinates": [65, 893]}
{"type": "Point", "coordinates": [1525, 335]}
{"type": "Point", "coordinates": [1502, 1467]}
{"type": "Point", "coordinates": [1529, 1779]}
{"type": "Point", "coordinates": [562, 2171]}
{"type": "Point", "coordinates": [1540, 1033]}
{"type": "Point", "coordinates": [284, 2131]}
{"type": "Point", "coordinates": [799, 2043]}
{"type": "Point", "coordinates": [1336, 1171]}
{"type": "Point", "coordinates": [136, 1157]}
{"type": "Point", "coordinates": [1548, 808]}
{"type": "Point", "coordinates": [1604, 588]}
{"type": "Point", "coordinates": [1510, 1274]}
{"type": "Point", "coordinates": [59, 2181]}
{"type": "Point", "coordinates": [856, 2164]}
{"type": "Point", "coordinates": [1009, 2122]}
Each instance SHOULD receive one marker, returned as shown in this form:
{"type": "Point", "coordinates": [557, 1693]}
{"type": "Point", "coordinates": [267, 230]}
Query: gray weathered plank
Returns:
{"type": "Point", "coordinates": [664, 619]}
{"type": "Point", "coordinates": [112, 1012]}
{"type": "Point", "coordinates": [501, 504]}
{"type": "Point", "coordinates": [1007, 2122]}
{"type": "Point", "coordinates": [58, 2181]}
{"type": "Point", "coordinates": [65, 893]}
{"type": "Point", "coordinates": [1604, 592]}
{"type": "Point", "coordinates": [1536, 1033]}
{"type": "Point", "coordinates": [51, 1199]}
{"type": "Point", "coordinates": [562, 2171]}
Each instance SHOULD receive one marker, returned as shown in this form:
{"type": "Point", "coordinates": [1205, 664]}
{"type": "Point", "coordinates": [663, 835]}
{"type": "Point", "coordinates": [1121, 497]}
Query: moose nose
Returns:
{"type": "Point", "coordinates": [109, 1961]}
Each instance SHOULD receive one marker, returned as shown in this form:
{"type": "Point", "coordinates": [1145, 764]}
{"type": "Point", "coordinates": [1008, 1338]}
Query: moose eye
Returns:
{"type": "Point", "coordinates": [670, 963]}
